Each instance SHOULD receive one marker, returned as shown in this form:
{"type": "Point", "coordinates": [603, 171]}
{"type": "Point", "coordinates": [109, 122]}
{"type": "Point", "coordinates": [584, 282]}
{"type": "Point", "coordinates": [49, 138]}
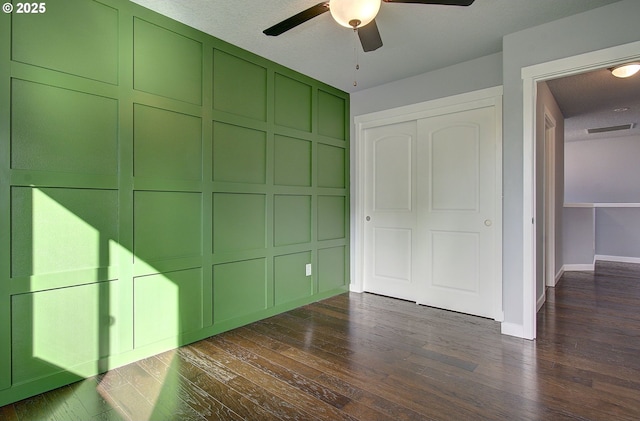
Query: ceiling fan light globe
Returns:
{"type": "Point", "coordinates": [347, 11]}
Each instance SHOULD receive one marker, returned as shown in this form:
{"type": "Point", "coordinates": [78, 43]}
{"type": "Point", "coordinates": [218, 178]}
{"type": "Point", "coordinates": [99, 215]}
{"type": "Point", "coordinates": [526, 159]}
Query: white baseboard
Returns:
{"type": "Point", "coordinates": [541, 301]}
{"type": "Point", "coordinates": [553, 283]}
{"type": "Point", "coordinates": [512, 329]}
{"type": "Point", "coordinates": [579, 267]}
{"type": "Point", "coordinates": [558, 276]}
{"type": "Point", "coordinates": [355, 288]}
{"type": "Point", "coordinates": [621, 259]}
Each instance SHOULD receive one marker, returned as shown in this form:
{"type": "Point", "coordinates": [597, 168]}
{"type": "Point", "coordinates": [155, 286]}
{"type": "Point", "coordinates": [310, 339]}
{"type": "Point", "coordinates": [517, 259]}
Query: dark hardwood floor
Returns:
{"type": "Point", "coordinates": [366, 357]}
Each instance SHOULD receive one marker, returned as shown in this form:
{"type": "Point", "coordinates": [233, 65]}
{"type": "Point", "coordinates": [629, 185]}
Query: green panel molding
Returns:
{"type": "Point", "coordinates": [239, 288]}
{"type": "Point", "coordinates": [87, 46]}
{"type": "Point", "coordinates": [167, 305]}
{"type": "Point", "coordinates": [291, 281]}
{"type": "Point", "coordinates": [331, 108]}
{"type": "Point", "coordinates": [331, 166]}
{"type": "Point", "coordinates": [57, 230]}
{"type": "Point", "coordinates": [166, 63]}
{"type": "Point", "coordinates": [331, 217]}
{"type": "Point", "coordinates": [55, 129]}
{"type": "Point", "coordinates": [292, 161]}
{"type": "Point", "coordinates": [239, 222]}
{"type": "Point", "coordinates": [239, 86]}
{"type": "Point", "coordinates": [239, 154]}
{"type": "Point", "coordinates": [292, 219]}
{"type": "Point", "coordinates": [292, 103]}
{"type": "Point", "coordinates": [167, 225]}
{"type": "Point", "coordinates": [158, 186]}
{"type": "Point", "coordinates": [167, 145]}
{"type": "Point", "coordinates": [67, 329]}
{"type": "Point", "coordinates": [331, 268]}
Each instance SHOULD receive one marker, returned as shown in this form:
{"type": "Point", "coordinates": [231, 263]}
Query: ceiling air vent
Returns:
{"type": "Point", "coordinates": [611, 128]}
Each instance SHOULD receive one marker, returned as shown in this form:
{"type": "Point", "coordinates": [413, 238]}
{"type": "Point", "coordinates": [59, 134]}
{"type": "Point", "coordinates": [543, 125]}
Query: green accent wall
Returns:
{"type": "Point", "coordinates": [157, 186]}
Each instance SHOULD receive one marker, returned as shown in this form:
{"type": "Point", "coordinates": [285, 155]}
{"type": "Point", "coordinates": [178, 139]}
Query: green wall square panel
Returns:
{"type": "Point", "coordinates": [65, 329]}
{"type": "Point", "coordinates": [291, 282]}
{"type": "Point", "coordinates": [239, 154]}
{"type": "Point", "coordinates": [292, 161]}
{"type": "Point", "coordinates": [167, 305]}
{"type": "Point", "coordinates": [239, 86]}
{"type": "Point", "coordinates": [166, 63]}
{"type": "Point", "coordinates": [331, 217]}
{"type": "Point", "coordinates": [58, 230]}
{"type": "Point", "coordinates": [239, 289]}
{"type": "Point", "coordinates": [292, 219]}
{"type": "Point", "coordinates": [331, 166]}
{"type": "Point", "coordinates": [167, 225]}
{"type": "Point", "coordinates": [292, 103]}
{"type": "Point", "coordinates": [239, 222]}
{"type": "Point", "coordinates": [331, 268]}
{"type": "Point", "coordinates": [80, 38]}
{"type": "Point", "coordinates": [331, 112]}
{"type": "Point", "coordinates": [54, 129]}
{"type": "Point", "coordinates": [167, 145]}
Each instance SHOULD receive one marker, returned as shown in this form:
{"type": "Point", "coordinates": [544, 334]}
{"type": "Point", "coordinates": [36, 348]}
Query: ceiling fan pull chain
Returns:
{"type": "Point", "coordinates": [355, 56]}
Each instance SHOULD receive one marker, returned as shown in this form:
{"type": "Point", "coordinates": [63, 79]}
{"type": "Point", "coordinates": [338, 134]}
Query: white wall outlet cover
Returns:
{"type": "Point", "coordinates": [307, 269]}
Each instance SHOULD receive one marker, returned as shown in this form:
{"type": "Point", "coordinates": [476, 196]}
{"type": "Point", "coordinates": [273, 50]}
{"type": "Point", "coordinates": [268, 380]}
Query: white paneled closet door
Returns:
{"type": "Point", "coordinates": [390, 221]}
{"type": "Point", "coordinates": [456, 202]}
{"type": "Point", "coordinates": [430, 211]}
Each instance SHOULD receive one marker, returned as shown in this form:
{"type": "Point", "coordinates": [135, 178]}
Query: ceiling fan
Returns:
{"type": "Point", "coordinates": [357, 14]}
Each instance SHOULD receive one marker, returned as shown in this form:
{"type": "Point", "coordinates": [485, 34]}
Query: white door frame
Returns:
{"type": "Point", "coordinates": [550, 200]}
{"type": "Point", "coordinates": [531, 75]}
{"type": "Point", "coordinates": [477, 99]}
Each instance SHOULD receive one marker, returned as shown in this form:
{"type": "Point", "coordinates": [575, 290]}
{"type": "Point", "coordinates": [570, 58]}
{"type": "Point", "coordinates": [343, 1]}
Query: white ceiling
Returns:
{"type": "Point", "coordinates": [417, 38]}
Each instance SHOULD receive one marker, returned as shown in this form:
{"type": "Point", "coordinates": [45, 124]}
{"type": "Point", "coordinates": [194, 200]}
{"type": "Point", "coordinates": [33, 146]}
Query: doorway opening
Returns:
{"type": "Point", "coordinates": [531, 76]}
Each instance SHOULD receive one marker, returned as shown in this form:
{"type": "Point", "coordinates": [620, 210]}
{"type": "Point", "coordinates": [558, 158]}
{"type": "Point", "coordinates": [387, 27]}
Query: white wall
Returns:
{"type": "Point", "coordinates": [607, 170]}
{"type": "Point", "coordinates": [579, 238]}
{"type": "Point", "coordinates": [484, 72]}
{"type": "Point", "coordinates": [473, 75]}
{"type": "Point", "coordinates": [618, 233]}
{"type": "Point", "coordinates": [603, 170]}
{"type": "Point", "coordinates": [600, 28]}
{"type": "Point", "coordinates": [547, 103]}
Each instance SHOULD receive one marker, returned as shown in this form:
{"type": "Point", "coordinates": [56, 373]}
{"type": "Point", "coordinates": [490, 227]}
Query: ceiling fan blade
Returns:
{"type": "Point", "coordinates": [443, 2]}
{"type": "Point", "coordinates": [298, 19]}
{"type": "Point", "coordinates": [370, 36]}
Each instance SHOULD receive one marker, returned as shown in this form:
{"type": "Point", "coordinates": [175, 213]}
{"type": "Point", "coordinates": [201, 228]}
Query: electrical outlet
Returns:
{"type": "Point", "coordinates": [307, 269]}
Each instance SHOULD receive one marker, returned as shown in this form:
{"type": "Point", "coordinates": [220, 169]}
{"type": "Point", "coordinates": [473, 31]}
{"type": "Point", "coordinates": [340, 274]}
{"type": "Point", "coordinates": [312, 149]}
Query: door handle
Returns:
{"type": "Point", "coordinates": [368, 218]}
{"type": "Point", "coordinates": [487, 222]}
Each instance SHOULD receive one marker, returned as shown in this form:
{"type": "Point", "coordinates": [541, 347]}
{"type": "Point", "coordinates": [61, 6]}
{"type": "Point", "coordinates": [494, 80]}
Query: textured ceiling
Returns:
{"type": "Point", "coordinates": [597, 99]}
{"type": "Point", "coordinates": [417, 38]}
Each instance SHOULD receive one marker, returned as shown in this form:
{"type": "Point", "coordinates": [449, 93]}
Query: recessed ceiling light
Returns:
{"type": "Point", "coordinates": [625, 70]}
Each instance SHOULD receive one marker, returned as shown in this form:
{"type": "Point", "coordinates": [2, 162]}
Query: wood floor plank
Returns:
{"type": "Point", "coordinates": [161, 395]}
{"type": "Point", "coordinates": [295, 389]}
{"type": "Point", "coordinates": [34, 408]}
{"type": "Point", "coordinates": [367, 357]}
{"type": "Point", "coordinates": [196, 398]}
{"type": "Point", "coordinates": [268, 397]}
{"type": "Point", "coordinates": [297, 381]}
{"type": "Point", "coordinates": [217, 388]}
{"type": "Point", "coordinates": [379, 405]}
{"type": "Point", "coordinates": [8, 413]}
{"type": "Point", "coordinates": [65, 405]}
